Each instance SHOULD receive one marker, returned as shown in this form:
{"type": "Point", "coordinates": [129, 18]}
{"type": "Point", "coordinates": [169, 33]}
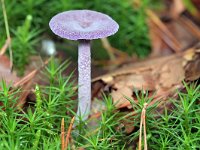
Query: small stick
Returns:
{"type": "Point", "coordinates": [113, 51]}
{"type": "Point", "coordinates": [62, 134]}
{"type": "Point", "coordinates": [143, 122]}
{"type": "Point", "coordinates": [69, 132]}
{"type": "Point", "coordinates": [144, 126]}
{"type": "Point", "coordinates": [140, 136]}
{"type": "Point", "coordinates": [109, 48]}
{"type": "Point", "coordinates": [5, 46]}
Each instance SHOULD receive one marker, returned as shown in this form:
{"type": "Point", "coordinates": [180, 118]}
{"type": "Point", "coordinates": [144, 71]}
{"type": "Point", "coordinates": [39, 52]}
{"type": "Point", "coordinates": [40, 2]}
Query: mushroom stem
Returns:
{"type": "Point", "coordinates": [84, 80]}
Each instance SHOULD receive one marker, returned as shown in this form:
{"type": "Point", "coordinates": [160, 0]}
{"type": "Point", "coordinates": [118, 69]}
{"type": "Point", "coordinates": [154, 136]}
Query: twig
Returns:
{"type": "Point", "coordinates": [113, 52]}
{"type": "Point", "coordinates": [140, 136]}
{"type": "Point", "coordinates": [144, 126]}
{"type": "Point", "coordinates": [7, 32]}
{"type": "Point", "coordinates": [69, 132]}
{"type": "Point", "coordinates": [62, 134]}
{"type": "Point", "coordinates": [108, 47]}
{"type": "Point", "coordinates": [5, 46]}
{"type": "Point", "coordinates": [143, 122]}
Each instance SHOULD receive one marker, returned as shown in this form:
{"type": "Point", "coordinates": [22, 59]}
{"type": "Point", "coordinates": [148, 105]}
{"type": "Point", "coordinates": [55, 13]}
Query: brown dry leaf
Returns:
{"type": "Point", "coordinates": [5, 73]}
{"type": "Point", "coordinates": [119, 96]}
{"type": "Point", "coordinates": [171, 73]}
{"type": "Point", "coordinates": [135, 81]}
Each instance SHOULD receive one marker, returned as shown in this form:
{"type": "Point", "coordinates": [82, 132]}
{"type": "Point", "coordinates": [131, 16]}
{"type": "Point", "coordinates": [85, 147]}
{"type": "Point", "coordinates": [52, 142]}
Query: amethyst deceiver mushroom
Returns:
{"type": "Point", "coordinates": [84, 26]}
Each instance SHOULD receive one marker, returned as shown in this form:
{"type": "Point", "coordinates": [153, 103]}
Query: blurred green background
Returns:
{"type": "Point", "coordinates": [28, 22]}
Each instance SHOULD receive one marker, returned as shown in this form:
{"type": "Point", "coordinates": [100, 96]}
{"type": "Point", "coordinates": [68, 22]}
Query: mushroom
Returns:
{"type": "Point", "coordinates": [84, 26]}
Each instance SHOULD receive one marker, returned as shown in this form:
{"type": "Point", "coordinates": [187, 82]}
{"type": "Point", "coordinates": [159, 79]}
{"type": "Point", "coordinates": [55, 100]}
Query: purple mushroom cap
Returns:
{"type": "Point", "coordinates": [83, 24]}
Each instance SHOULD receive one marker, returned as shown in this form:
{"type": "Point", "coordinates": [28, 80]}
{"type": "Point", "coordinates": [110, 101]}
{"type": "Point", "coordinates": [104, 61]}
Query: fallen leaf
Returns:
{"type": "Point", "coordinates": [6, 74]}
{"type": "Point", "coordinates": [119, 95]}
{"type": "Point", "coordinates": [171, 73]}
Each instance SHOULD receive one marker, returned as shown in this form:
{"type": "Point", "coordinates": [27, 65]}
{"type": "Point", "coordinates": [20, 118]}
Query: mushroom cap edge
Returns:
{"type": "Point", "coordinates": [83, 24]}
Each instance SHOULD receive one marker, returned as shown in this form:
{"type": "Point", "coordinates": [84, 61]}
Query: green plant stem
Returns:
{"type": "Point", "coordinates": [7, 32]}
